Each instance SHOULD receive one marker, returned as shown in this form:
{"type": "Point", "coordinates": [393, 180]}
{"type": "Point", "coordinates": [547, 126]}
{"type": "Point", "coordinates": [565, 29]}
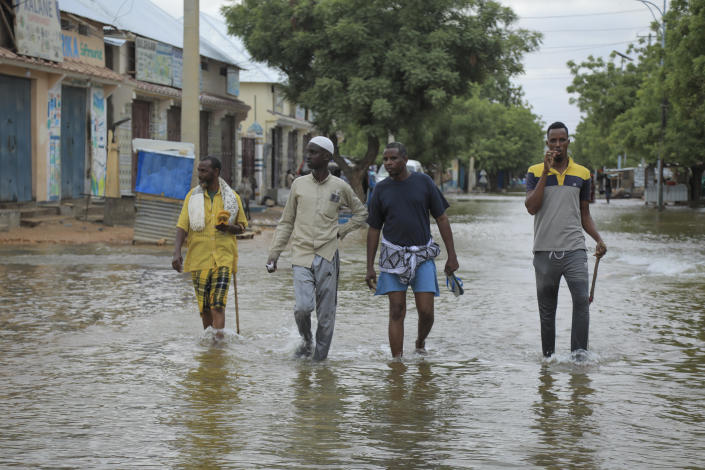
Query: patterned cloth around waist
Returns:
{"type": "Point", "coordinates": [403, 260]}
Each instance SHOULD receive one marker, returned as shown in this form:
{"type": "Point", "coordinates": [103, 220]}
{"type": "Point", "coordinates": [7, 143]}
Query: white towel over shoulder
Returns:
{"type": "Point", "coordinates": [196, 209]}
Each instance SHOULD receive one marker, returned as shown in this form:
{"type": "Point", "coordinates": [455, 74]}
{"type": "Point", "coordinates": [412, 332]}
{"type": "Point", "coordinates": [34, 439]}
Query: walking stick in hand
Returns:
{"type": "Point", "coordinates": [237, 310]}
{"type": "Point", "coordinates": [592, 288]}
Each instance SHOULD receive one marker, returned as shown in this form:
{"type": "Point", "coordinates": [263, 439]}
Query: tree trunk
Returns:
{"type": "Point", "coordinates": [696, 181]}
{"type": "Point", "coordinates": [359, 172]}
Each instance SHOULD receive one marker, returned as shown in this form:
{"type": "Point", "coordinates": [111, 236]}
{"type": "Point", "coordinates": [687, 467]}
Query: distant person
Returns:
{"type": "Point", "coordinates": [558, 196]}
{"type": "Point", "coordinates": [245, 191]}
{"type": "Point", "coordinates": [483, 182]}
{"type": "Point", "coordinates": [399, 210]}
{"type": "Point", "coordinates": [253, 186]}
{"type": "Point", "coordinates": [212, 245]}
{"type": "Point", "coordinates": [371, 182]}
{"type": "Point", "coordinates": [608, 188]}
{"type": "Point", "coordinates": [310, 220]}
{"type": "Point", "coordinates": [290, 177]}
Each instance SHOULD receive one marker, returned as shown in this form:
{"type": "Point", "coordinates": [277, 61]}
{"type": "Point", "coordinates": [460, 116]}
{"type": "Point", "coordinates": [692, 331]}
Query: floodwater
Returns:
{"type": "Point", "coordinates": [103, 362]}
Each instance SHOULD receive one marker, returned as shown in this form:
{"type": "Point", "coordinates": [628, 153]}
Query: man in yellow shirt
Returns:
{"type": "Point", "coordinates": [212, 243]}
{"type": "Point", "coordinates": [310, 220]}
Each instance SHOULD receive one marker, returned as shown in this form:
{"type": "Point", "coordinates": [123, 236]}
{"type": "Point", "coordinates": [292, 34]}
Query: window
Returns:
{"type": "Point", "coordinates": [131, 65]}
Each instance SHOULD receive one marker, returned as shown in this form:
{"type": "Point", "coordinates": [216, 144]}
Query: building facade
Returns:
{"type": "Point", "coordinates": [75, 74]}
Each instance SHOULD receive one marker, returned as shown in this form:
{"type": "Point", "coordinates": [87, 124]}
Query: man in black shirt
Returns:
{"type": "Point", "coordinates": [399, 210]}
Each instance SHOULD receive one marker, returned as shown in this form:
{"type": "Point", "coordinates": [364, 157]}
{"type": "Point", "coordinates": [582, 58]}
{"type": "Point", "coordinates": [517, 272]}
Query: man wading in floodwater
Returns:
{"type": "Point", "coordinates": [399, 210]}
{"type": "Point", "coordinates": [310, 219]}
{"type": "Point", "coordinates": [212, 244]}
{"type": "Point", "coordinates": [558, 196]}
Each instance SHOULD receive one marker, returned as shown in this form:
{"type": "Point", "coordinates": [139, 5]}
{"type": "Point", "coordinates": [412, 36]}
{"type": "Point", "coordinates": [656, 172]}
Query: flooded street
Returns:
{"type": "Point", "coordinates": [104, 363]}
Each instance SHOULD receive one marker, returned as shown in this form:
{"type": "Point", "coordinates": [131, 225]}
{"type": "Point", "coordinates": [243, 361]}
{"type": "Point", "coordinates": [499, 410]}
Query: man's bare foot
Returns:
{"type": "Point", "coordinates": [421, 348]}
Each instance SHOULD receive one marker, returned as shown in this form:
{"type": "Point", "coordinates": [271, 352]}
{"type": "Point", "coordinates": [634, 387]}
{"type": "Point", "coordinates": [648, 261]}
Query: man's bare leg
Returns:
{"type": "Point", "coordinates": [218, 321]}
{"type": "Point", "coordinates": [207, 318]}
{"type": "Point", "coordinates": [397, 312]}
{"type": "Point", "coordinates": [424, 306]}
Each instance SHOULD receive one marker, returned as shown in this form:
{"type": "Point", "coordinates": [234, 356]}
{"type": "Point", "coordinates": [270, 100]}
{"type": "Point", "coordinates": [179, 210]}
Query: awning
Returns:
{"type": "Point", "coordinates": [68, 67]}
{"type": "Point", "coordinates": [114, 41]}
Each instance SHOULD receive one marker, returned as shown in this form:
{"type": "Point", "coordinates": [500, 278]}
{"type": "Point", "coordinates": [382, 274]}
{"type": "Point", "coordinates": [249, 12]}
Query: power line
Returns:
{"type": "Point", "coordinates": [588, 45]}
{"type": "Point", "coordinates": [590, 30]}
{"type": "Point", "coordinates": [580, 15]}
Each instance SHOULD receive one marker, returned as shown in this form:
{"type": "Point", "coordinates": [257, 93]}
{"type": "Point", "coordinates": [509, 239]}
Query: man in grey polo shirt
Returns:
{"type": "Point", "coordinates": [558, 196]}
{"type": "Point", "coordinates": [310, 219]}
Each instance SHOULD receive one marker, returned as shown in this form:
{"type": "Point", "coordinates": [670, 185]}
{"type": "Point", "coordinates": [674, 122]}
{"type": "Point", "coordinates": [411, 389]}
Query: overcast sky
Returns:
{"type": "Point", "coordinates": [572, 29]}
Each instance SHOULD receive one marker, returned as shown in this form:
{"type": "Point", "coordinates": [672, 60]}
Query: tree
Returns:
{"type": "Point", "coordinates": [624, 106]}
{"type": "Point", "coordinates": [379, 65]}
{"type": "Point", "coordinates": [605, 92]}
{"type": "Point", "coordinates": [685, 87]}
{"type": "Point", "coordinates": [501, 137]}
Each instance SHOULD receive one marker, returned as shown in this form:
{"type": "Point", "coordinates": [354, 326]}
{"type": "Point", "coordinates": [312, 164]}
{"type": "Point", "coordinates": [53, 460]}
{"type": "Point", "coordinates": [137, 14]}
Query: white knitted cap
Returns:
{"type": "Point", "coordinates": [323, 142]}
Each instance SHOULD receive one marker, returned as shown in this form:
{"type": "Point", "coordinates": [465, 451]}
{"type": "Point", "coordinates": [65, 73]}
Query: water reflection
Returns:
{"type": "Point", "coordinates": [404, 425]}
{"type": "Point", "coordinates": [563, 421]}
{"type": "Point", "coordinates": [102, 343]}
{"type": "Point", "coordinates": [315, 430]}
{"type": "Point", "coordinates": [211, 390]}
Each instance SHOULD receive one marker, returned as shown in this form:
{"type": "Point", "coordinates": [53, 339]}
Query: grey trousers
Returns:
{"type": "Point", "coordinates": [317, 287]}
{"type": "Point", "coordinates": [549, 267]}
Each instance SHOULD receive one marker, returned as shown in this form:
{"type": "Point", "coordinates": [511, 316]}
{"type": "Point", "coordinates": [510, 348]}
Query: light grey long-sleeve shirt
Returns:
{"type": "Point", "coordinates": [310, 219]}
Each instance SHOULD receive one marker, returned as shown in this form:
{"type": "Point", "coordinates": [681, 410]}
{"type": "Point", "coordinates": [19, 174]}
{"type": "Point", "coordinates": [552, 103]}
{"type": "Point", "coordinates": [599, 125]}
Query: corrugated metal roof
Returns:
{"type": "Point", "coordinates": [68, 67]}
{"type": "Point", "coordinates": [203, 98]}
{"type": "Point", "coordinates": [216, 31]}
{"type": "Point", "coordinates": [143, 18]}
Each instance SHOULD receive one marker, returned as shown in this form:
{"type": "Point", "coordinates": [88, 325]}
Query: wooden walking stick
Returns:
{"type": "Point", "coordinates": [237, 310]}
{"type": "Point", "coordinates": [592, 288]}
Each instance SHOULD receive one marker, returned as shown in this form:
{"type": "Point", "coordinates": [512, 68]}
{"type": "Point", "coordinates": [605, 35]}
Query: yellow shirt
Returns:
{"type": "Point", "coordinates": [210, 248]}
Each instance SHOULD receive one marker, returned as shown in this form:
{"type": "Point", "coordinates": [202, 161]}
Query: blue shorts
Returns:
{"type": "Point", "coordinates": [425, 281]}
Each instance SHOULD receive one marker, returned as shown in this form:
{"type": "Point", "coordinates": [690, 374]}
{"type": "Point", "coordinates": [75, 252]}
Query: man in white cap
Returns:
{"type": "Point", "coordinates": [310, 219]}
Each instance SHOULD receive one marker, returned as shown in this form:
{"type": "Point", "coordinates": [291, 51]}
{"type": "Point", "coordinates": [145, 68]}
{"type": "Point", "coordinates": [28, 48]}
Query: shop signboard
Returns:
{"type": "Point", "coordinates": [85, 49]}
{"type": "Point", "coordinates": [38, 29]}
{"type": "Point", "coordinates": [233, 81]}
{"type": "Point", "coordinates": [153, 61]}
{"type": "Point", "coordinates": [177, 67]}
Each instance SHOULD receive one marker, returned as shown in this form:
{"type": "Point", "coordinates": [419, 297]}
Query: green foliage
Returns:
{"type": "Point", "coordinates": [623, 104]}
{"type": "Point", "coordinates": [499, 136]}
{"type": "Point", "coordinates": [685, 81]}
{"type": "Point", "coordinates": [607, 94]}
{"type": "Point", "coordinates": [380, 66]}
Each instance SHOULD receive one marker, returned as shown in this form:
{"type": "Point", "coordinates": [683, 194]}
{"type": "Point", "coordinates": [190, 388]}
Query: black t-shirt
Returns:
{"type": "Point", "coordinates": [400, 209]}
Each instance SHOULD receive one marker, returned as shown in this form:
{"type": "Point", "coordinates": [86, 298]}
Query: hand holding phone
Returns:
{"type": "Point", "coordinates": [548, 160]}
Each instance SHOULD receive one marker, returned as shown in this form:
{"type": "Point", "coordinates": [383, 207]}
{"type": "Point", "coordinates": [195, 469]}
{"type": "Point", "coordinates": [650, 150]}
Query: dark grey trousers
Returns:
{"type": "Point", "coordinates": [317, 287]}
{"type": "Point", "coordinates": [549, 267]}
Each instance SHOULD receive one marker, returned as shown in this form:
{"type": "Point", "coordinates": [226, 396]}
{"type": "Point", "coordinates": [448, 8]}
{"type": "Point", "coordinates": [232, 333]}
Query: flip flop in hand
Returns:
{"type": "Point", "coordinates": [454, 284]}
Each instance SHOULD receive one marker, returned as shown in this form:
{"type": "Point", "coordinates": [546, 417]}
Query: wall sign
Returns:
{"type": "Point", "coordinates": [38, 29]}
{"type": "Point", "coordinates": [84, 49]}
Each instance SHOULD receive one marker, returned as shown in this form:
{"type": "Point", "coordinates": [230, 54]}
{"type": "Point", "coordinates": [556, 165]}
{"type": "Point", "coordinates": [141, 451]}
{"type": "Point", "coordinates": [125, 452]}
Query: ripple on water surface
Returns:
{"type": "Point", "coordinates": [105, 363]}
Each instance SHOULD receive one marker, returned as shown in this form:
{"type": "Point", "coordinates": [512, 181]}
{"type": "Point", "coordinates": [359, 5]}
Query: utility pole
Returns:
{"type": "Point", "coordinates": [190, 89]}
{"type": "Point", "coordinates": [659, 164]}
